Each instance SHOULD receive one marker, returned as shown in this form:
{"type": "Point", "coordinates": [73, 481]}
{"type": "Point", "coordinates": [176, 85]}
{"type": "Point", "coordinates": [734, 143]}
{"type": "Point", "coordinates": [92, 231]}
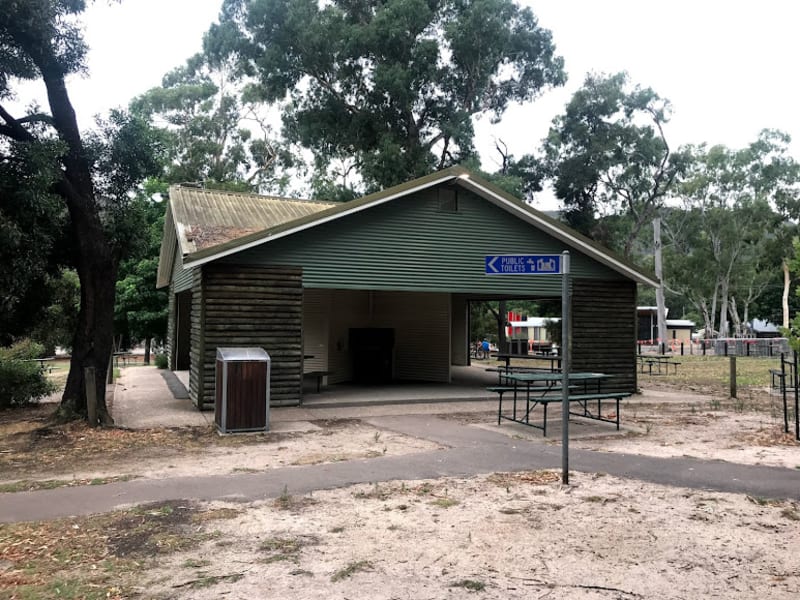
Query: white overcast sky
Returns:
{"type": "Point", "coordinates": [729, 67]}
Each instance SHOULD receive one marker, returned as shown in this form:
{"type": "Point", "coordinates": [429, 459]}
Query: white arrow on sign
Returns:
{"type": "Point", "coordinates": [491, 264]}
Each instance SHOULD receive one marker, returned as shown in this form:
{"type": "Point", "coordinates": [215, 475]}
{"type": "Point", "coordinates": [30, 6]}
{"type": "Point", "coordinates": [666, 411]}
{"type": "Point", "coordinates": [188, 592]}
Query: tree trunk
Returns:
{"type": "Point", "coordinates": [93, 342]}
{"type": "Point", "coordinates": [723, 311]}
{"type": "Point", "coordinates": [714, 310]}
{"type": "Point", "coordinates": [147, 344]}
{"type": "Point", "coordinates": [733, 311]}
{"type": "Point", "coordinates": [661, 306]}
{"type": "Point", "coordinates": [93, 256]}
{"type": "Point", "coordinates": [502, 343]}
{"type": "Point", "coordinates": [785, 297]}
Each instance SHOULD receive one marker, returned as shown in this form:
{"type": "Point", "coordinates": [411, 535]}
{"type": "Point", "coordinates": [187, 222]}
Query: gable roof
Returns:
{"type": "Point", "coordinates": [320, 212]}
{"type": "Point", "coordinates": [198, 219]}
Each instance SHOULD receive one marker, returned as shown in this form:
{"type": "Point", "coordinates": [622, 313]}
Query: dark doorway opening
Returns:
{"type": "Point", "coordinates": [372, 349]}
{"type": "Point", "coordinates": [183, 331]}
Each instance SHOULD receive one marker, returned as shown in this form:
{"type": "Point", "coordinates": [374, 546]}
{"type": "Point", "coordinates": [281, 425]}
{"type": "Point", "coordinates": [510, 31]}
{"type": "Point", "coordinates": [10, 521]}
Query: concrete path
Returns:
{"type": "Point", "coordinates": [472, 451]}
{"type": "Point", "coordinates": [143, 399]}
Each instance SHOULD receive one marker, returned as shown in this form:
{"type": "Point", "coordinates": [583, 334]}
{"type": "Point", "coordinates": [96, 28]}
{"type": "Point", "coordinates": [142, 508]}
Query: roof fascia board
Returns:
{"type": "Point", "coordinates": [532, 217]}
{"type": "Point", "coordinates": [169, 242]}
{"type": "Point", "coordinates": [337, 214]}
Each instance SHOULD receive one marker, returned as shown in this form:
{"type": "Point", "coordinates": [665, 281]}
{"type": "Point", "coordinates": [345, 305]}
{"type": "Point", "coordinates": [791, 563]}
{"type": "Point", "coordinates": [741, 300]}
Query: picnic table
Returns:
{"type": "Point", "coordinates": [658, 361]}
{"type": "Point", "coordinates": [126, 357]}
{"type": "Point", "coordinates": [506, 358]}
{"type": "Point", "coordinates": [42, 363]}
{"type": "Point", "coordinates": [540, 388]}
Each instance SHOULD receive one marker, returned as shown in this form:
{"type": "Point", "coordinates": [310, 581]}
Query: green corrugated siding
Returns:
{"type": "Point", "coordinates": [409, 244]}
{"type": "Point", "coordinates": [181, 278]}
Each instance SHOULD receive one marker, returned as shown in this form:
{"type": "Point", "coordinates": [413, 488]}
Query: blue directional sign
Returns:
{"type": "Point", "coordinates": [524, 264]}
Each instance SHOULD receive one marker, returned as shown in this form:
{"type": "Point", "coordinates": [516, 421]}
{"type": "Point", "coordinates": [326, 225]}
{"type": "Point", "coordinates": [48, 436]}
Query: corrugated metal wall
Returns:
{"type": "Point", "coordinates": [316, 330]}
{"type": "Point", "coordinates": [411, 244]}
{"type": "Point", "coordinates": [181, 278]}
{"type": "Point", "coordinates": [421, 322]}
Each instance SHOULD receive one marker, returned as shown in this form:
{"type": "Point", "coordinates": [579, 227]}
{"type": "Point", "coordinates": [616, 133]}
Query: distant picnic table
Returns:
{"type": "Point", "coordinates": [43, 366]}
{"type": "Point", "coordinates": [658, 361]}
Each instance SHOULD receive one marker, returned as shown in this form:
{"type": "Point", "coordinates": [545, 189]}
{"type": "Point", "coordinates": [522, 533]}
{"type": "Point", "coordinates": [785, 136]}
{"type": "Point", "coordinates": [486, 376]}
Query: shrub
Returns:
{"type": "Point", "coordinates": [25, 349]}
{"type": "Point", "coordinates": [21, 379]}
{"type": "Point", "coordinates": [161, 361]}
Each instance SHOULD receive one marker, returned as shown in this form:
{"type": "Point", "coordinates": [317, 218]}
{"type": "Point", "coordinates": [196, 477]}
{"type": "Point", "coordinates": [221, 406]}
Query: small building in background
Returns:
{"type": "Point", "coordinates": [764, 329]}
{"type": "Point", "coordinates": [529, 335]}
{"type": "Point", "coordinates": [677, 329]}
{"type": "Point", "coordinates": [680, 330]}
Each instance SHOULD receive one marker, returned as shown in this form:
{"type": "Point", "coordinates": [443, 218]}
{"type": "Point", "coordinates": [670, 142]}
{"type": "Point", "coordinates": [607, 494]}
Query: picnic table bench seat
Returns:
{"type": "Point", "coordinates": [778, 379]}
{"type": "Point", "coordinates": [582, 399]}
{"type": "Point", "coordinates": [318, 375]}
{"type": "Point", "coordinates": [502, 371]}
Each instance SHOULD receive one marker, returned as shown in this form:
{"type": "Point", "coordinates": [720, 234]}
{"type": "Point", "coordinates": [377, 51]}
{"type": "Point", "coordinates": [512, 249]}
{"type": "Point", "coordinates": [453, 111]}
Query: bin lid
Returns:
{"type": "Point", "coordinates": [251, 354]}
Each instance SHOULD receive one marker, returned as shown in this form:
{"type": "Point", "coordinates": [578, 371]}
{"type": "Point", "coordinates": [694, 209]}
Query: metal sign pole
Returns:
{"type": "Point", "coordinates": [565, 367]}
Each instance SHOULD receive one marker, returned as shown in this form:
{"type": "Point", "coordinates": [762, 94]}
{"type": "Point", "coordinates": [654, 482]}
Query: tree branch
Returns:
{"type": "Point", "coordinates": [13, 128]}
{"type": "Point", "coordinates": [38, 118]}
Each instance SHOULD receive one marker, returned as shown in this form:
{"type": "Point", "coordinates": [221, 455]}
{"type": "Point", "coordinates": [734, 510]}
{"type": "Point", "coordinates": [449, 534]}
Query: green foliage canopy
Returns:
{"type": "Point", "coordinates": [392, 84]}
{"type": "Point", "coordinates": [608, 155]}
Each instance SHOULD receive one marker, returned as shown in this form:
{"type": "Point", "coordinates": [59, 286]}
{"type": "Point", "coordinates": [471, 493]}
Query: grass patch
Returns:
{"type": "Point", "coordinates": [192, 563]}
{"type": "Point", "coordinates": [445, 502]}
{"type": "Point", "coordinates": [51, 484]}
{"type": "Point", "coordinates": [285, 548]}
{"type": "Point", "coordinates": [714, 371]}
{"type": "Point", "coordinates": [287, 501]}
{"type": "Point", "coordinates": [377, 492]}
{"type": "Point", "coordinates": [791, 513]}
{"type": "Point", "coordinates": [351, 569]}
{"type": "Point", "coordinates": [102, 556]}
{"type": "Point", "coordinates": [204, 581]}
{"type": "Point", "coordinates": [758, 500]}
{"type": "Point", "coordinates": [472, 585]}
{"type": "Point", "coordinates": [531, 477]}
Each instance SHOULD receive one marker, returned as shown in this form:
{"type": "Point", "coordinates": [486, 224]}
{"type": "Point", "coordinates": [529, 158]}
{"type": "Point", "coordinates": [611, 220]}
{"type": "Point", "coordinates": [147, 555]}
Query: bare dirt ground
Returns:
{"type": "Point", "coordinates": [498, 536]}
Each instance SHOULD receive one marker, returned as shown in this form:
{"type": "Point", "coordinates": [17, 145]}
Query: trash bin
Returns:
{"type": "Point", "coordinates": [242, 390]}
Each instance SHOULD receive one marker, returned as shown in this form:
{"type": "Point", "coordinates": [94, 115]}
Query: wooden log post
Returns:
{"type": "Point", "coordinates": [733, 375]}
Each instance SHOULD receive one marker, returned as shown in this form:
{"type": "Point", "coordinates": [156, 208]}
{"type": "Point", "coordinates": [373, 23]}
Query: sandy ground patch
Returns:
{"type": "Point", "coordinates": [501, 536]}
{"type": "Point", "coordinates": [310, 444]}
{"type": "Point", "coordinates": [751, 438]}
{"type": "Point", "coordinates": [498, 536]}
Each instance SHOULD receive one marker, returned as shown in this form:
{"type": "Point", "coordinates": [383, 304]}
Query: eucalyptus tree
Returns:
{"type": "Point", "coordinates": [211, 133]}
{"type": "Point", "coordinates": [89, 175]}
{"type": "Point", "coordinates": [608, 156]}
{"type": "Point", "coordinates": [727, 248]}
{"type": "Point", "coordinates": [388, 88]}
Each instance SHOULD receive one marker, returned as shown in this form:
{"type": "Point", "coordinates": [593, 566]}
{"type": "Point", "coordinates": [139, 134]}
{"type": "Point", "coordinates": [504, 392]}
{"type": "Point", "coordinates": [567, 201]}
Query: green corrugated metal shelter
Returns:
{"type": "Point", "coordinates": [376, 288]}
